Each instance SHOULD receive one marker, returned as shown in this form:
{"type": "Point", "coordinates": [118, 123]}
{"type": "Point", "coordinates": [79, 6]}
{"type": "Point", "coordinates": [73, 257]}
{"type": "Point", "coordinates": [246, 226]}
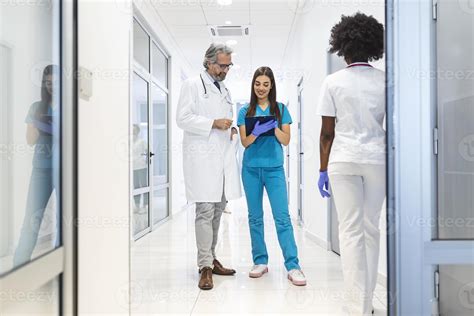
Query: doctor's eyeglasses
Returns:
{"type": "Point", "coordinates": [224, 66]}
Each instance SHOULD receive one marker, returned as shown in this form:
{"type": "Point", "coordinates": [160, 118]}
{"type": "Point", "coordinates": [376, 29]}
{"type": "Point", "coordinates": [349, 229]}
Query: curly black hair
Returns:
{"type": "Point", "coordinates": [359, 38]}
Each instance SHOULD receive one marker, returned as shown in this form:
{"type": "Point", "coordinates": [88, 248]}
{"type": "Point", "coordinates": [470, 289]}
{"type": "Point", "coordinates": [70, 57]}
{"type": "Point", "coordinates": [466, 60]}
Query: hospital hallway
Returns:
{"type": "Point", "coordinates": [164, 274]}
{"type": "Point", "coordinates": [127, 125]}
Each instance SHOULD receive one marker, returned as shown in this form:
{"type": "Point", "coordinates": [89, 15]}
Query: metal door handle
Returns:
{"type": "Point", "coordinates": [151, 154]}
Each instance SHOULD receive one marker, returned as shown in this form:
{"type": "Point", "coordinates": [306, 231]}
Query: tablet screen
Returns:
{"type": "Point", "coordinates": [251, 121]}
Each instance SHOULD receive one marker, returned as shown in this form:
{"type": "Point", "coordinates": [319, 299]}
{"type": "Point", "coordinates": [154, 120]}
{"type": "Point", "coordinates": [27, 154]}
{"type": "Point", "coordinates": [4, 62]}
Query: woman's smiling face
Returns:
{"type": "Point", "coordinates": [262, 86]}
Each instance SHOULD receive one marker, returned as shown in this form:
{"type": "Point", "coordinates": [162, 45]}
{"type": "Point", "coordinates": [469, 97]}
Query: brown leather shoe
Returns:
{"type": "Point", "coordinates": [220, 270]}
{"type": "Point", "coordinates": [205, 283]}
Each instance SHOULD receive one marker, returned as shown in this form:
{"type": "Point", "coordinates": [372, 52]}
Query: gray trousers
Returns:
{"type": "Point", "coordinates": [208, 219]}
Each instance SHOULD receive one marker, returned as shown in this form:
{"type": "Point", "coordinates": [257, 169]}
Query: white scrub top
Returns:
{"type": "Point", "coordinates": [355, 96]}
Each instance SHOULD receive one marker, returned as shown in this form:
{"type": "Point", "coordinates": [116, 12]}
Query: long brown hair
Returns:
{"type": "Point", "coordinates": [274, 109]}
{"type": "Point", "coordinates": [46, 97]}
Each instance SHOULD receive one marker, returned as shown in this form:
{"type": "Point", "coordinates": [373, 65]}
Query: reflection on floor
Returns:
{"type": "Point", "coordinates": [165, 277]}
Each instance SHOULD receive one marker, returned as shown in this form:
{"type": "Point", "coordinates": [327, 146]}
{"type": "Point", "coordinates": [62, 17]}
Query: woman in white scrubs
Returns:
{"type": "Point", "coordinates": [353, 152]}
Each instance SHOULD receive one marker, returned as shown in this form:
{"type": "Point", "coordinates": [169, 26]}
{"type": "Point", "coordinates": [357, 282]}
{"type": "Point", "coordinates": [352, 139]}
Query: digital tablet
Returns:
{"type": "Point", "coordinates": [251, 121]}
{"type": "Point", "coordinates": [45, 118]}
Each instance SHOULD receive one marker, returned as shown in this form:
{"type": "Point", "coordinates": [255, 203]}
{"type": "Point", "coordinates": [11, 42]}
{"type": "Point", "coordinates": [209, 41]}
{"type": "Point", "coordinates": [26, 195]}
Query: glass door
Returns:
{"type": "Point", "coordinates": [160, 155]}
{"type": "Point", "coordinates": [140, 157]}
{"type": "Point", "coordinates": [430, 102]}
{"type": "Point", "coordinates": [37, 108]}
{"type": "Point", "coordinates": [160, 135]}
{"type": "Point", "coordinates": [150, 116]}
{"type": "Point", "coordinates": [455, 149]}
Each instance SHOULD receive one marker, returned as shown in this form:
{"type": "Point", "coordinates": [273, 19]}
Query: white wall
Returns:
{"type": "Point", "coordinates": [307, 55]}
{"type": "Point", "coordinates": [104, 48]}
{"type": "Point", "coordinates": [103, 189]}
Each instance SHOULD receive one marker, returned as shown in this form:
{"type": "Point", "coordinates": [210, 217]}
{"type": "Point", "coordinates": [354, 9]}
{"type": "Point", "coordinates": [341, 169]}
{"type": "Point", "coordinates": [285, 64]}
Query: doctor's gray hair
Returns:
{"type": "Point", "coordinates": [213, 51]}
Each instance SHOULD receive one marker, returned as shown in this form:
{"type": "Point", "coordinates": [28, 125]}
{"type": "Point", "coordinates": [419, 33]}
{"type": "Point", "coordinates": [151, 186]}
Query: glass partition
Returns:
{"type": "Point", "coordinates": [30, 132]}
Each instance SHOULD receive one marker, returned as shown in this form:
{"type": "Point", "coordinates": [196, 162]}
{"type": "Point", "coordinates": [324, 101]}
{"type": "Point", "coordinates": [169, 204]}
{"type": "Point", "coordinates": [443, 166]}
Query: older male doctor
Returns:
{"type": "Point", "coordinates": [211, 176]}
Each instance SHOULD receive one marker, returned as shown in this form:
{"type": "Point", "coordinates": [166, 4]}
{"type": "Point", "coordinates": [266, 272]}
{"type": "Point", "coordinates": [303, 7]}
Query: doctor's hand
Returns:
{"type": "Point", "coordinates": [323, 183]}
{"type": "Point", "coordinates": [233, 132]}
{"type": "Point", "coordinates": [260, 129]}
{"type": "Point", "coordinates": [223, 124]}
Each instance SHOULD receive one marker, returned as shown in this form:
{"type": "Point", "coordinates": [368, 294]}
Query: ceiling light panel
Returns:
{"type": "Point", "coordinates": [217, 17]}
{"type": "Point", "coordinates": [236, 5]}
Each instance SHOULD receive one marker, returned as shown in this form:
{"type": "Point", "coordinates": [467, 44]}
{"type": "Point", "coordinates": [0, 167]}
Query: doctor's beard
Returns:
{"type": "Point", "coordinates": [221, 76]}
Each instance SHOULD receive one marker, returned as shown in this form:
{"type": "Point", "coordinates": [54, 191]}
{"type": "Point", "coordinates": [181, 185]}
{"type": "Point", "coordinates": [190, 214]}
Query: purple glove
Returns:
{"type": "Point", "coordinates": [263, 128]}
{"type": "Point", "coordinates": [44, 127]}
{"type": "Point", "coordinates": [323, 183]}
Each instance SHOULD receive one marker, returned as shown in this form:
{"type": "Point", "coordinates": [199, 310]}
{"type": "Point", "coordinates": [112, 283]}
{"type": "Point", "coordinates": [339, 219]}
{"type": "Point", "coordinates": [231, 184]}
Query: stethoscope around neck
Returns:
{"type": "Point", "coordinates": [206, 95]}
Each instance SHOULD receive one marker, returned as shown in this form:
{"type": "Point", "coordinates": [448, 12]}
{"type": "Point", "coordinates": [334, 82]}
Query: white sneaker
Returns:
{"type": "Point", "coordinates": [258, 270]}
{"type": "Point", "coordinates": [297, 277]}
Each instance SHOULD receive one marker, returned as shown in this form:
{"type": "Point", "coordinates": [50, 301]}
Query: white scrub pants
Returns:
{"type": "Point", "coordinates": [358, 191]}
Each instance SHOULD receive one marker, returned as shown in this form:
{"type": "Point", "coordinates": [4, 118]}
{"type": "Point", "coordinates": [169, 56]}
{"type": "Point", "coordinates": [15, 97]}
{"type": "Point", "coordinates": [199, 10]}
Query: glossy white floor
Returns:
{"type": "Point", "coordinates": [165, 277]}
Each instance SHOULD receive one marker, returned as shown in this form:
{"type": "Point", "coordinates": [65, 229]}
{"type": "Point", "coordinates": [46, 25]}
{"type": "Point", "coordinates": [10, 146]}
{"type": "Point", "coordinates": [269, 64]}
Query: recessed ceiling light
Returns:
{"type": "Point", "coordinates": [228, 22]}
{"type": "Point", "coordinates": [224, 2]}
{"type": "Point", "coordinates": [231, 42]}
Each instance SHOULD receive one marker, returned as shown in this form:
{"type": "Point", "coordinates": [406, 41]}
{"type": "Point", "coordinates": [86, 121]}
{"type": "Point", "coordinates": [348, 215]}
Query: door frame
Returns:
{"type": "Point", "coordinates": [413, 253]}
{"type": "Point", "coordinates": [300, 175]}
{"type": "Point", "coordinates": [5, 61]}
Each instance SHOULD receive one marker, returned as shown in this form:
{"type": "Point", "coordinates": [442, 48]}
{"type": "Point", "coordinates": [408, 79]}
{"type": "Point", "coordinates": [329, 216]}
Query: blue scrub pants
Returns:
{"type": "Point", "coordinates": [273, 179]}
{"type": "Point", "coordinates": [41, 187]}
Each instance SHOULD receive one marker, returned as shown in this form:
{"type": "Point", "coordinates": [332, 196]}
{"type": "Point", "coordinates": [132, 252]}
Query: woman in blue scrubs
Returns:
{"type": "Point", "coordinates": [43, 134]}
{"type": "Point", "coordinates": [262, 167]}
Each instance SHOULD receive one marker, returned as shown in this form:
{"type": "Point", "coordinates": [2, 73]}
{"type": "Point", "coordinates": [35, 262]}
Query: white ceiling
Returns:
{"type": "Point", "coordinates": [270, 22]}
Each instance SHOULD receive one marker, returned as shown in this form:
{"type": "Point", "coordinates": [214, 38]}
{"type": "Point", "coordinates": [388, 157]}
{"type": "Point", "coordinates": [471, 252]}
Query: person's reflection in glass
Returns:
{"type": "Point", "coordinates": [43, 134]}
{"type": "Point", "coordinates": [140, 165]}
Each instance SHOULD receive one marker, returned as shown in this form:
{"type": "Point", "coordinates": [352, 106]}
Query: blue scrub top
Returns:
{"type": "Point", "coordinates": [266, 151]}
{"type": "Point", "coordinates": [46, 153]}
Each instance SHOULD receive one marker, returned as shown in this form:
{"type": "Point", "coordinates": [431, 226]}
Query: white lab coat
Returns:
{"type": "Point", "coordinates": [208, 154]}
